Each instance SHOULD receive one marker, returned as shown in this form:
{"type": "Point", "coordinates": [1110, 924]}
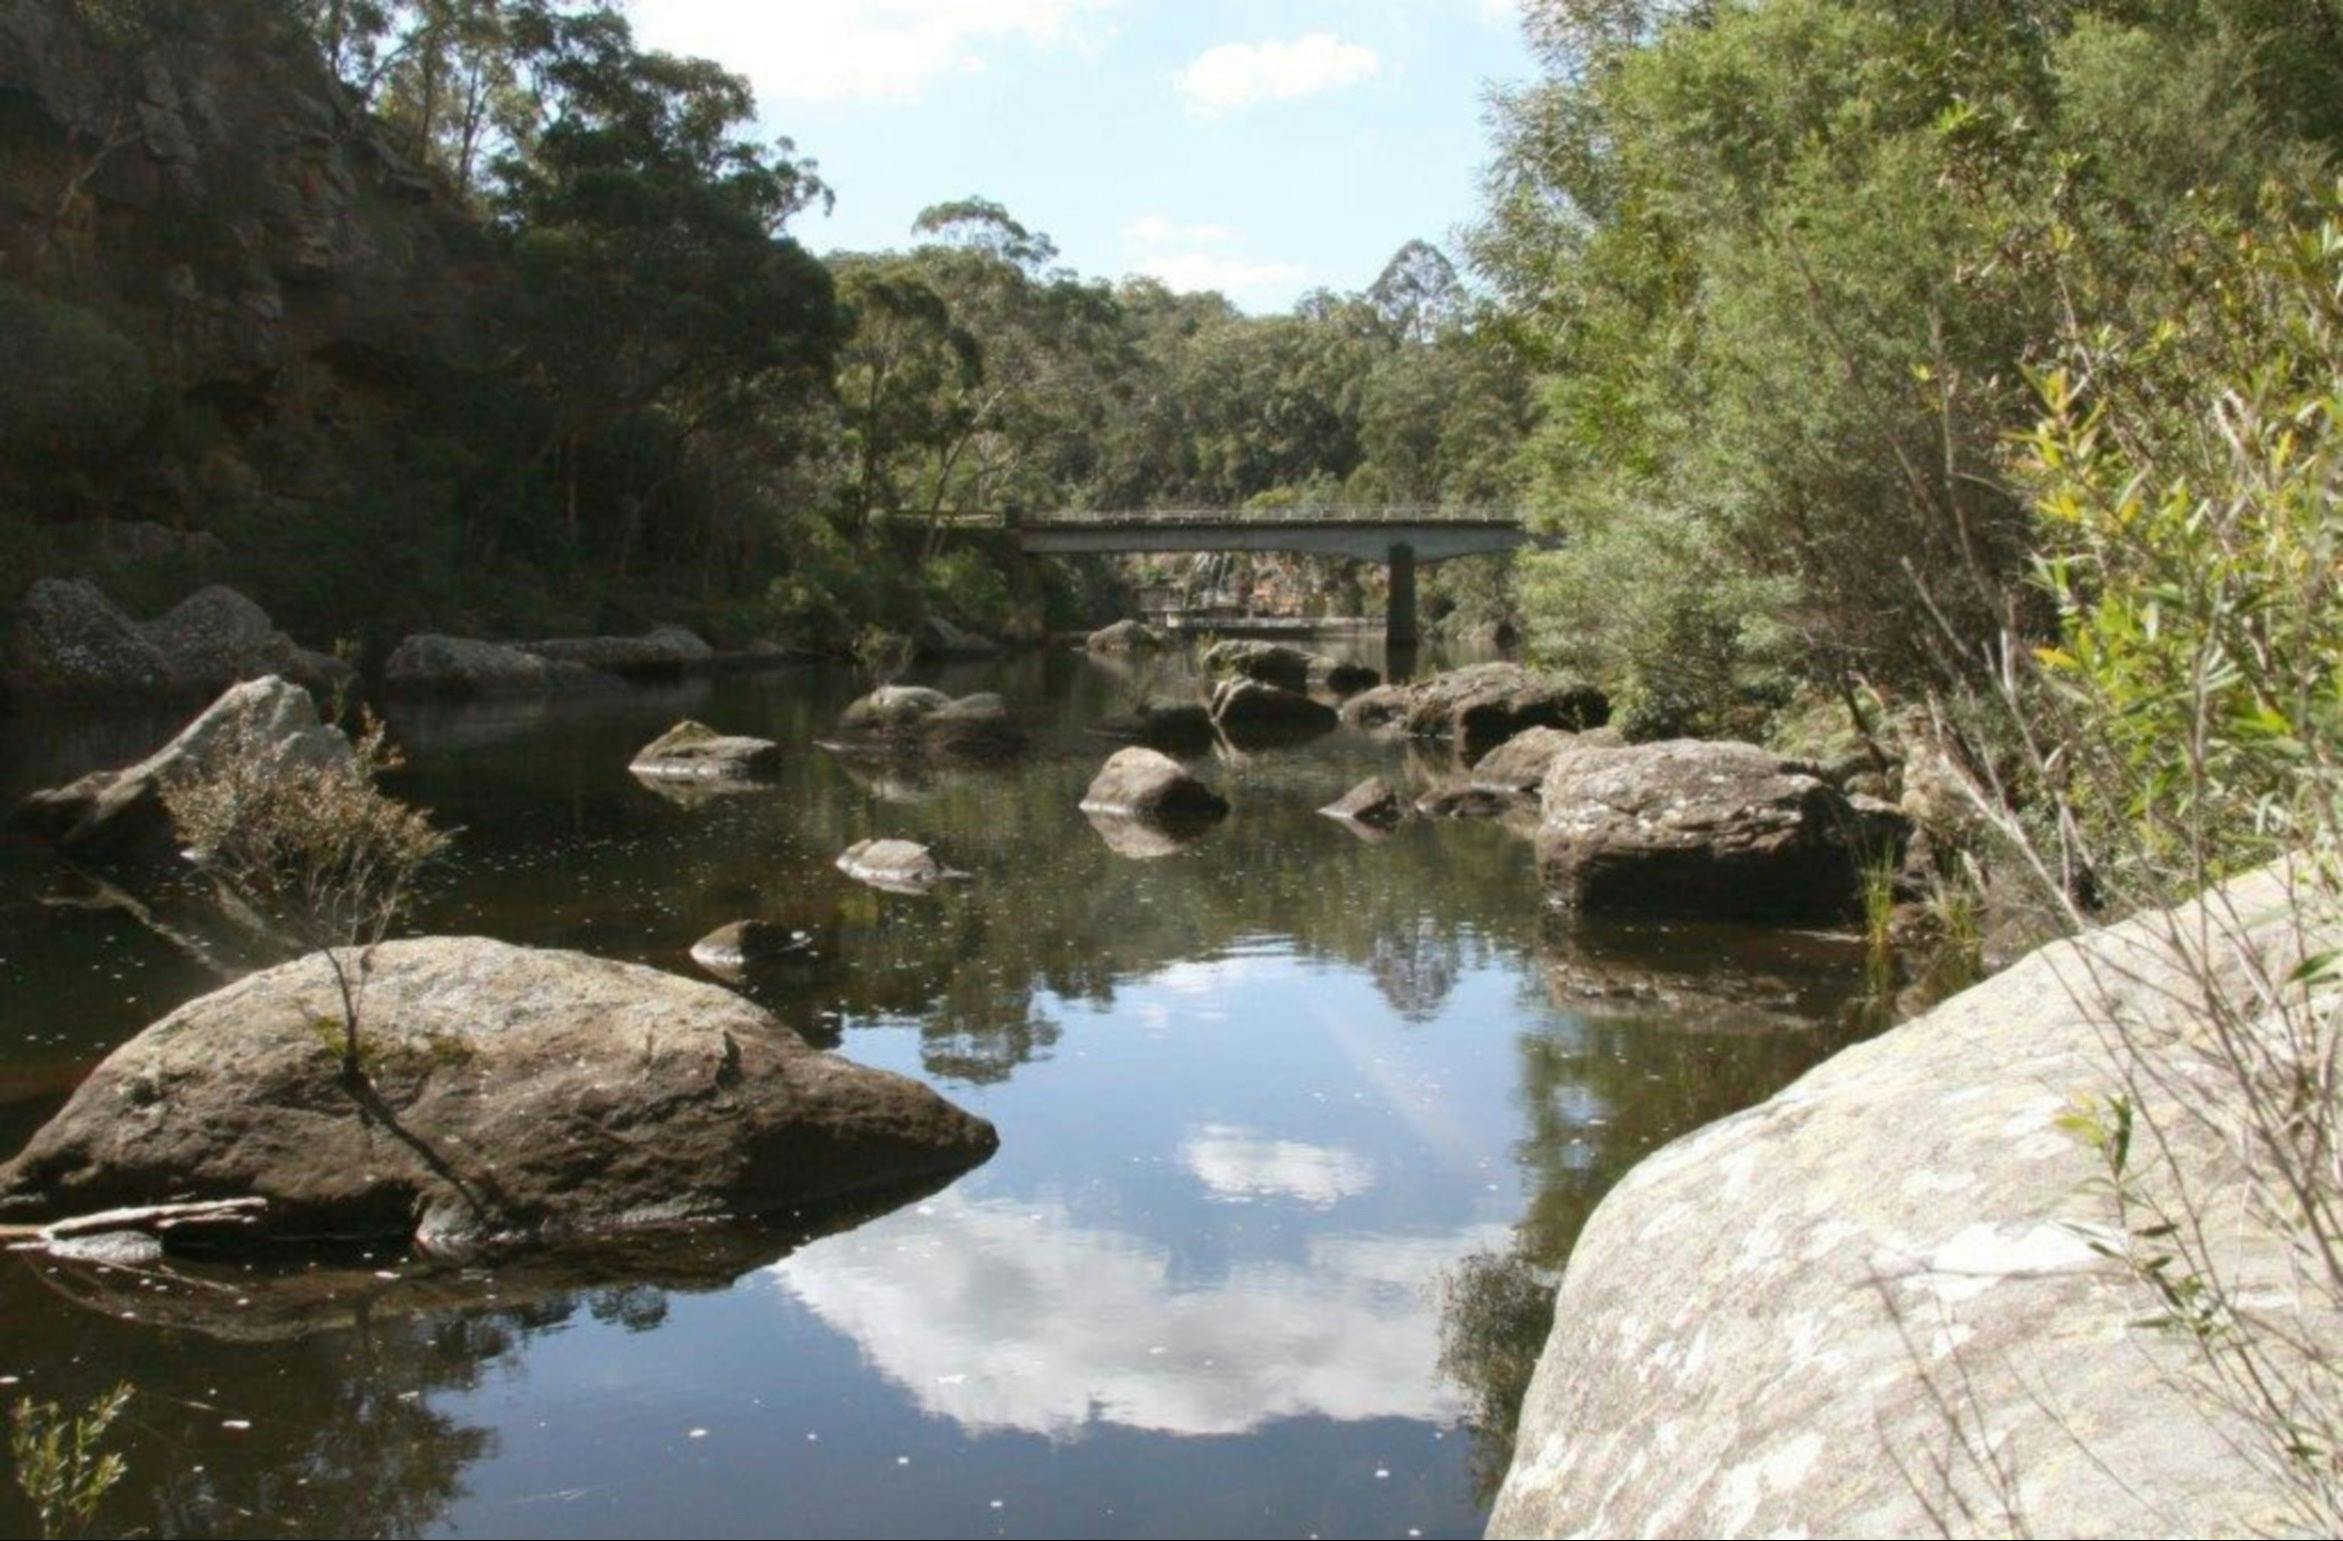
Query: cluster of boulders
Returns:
{"type": "Point", "coordinates": [1290, 668]}
{"type": "Point", "coordinates": [917, 719]}
{"type": "Point", "coordinates": [66, 637]}
{"type": "Point", "coordinates": [1479, 706]}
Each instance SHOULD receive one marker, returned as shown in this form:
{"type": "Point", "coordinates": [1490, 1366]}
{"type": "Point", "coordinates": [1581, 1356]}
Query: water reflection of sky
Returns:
{"type": "Point", "coordinates": [1256, 1097]}
{"type": "Point", "coordinates": [1133, 1293]}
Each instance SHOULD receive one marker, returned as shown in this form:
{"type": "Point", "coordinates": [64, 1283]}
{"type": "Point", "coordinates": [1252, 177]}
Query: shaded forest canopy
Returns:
{"type": "Point", "coordinates": [474, 315]}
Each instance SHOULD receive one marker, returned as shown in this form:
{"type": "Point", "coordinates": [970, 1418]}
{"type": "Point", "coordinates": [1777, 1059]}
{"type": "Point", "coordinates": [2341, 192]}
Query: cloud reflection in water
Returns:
{"type": "Point", "coordinates": [1008, 1316]}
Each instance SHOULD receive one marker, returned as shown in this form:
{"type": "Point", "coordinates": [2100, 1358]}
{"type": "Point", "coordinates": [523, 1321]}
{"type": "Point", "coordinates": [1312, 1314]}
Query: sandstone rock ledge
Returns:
{"type": "Point", "coordinates": [513, 1094]}
{"type": "Point", "coordinates": [1762, 1326]}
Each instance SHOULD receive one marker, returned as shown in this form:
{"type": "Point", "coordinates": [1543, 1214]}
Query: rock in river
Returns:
{"type": "Point", "coordinates": [898, 866]}
{"type": "Point", "coordinates": [1248, 709]}
{"type": "Point", "coordinates": [1140, 783]}
{"type": "Point", "coordinates": [692, 751]}
{"type": "Point", "coordinates": [1126, 636]}
{"type": "Point", "coordinates": [65, 635]}
{"type": "Point", "coordinates": [466, 666]}
{"type": "Point", "coordinates": [511, 1093]}
{"type": "Point", "coordinates": [1480, 705]}
{"type": "Point", "coordinates": [1289, 668]}
{"type": "Point", "coordinates": [120, 812]}
{"type": "Point", "coordinates": [1700, 828]}
{"type": "Point", "coordinates": [663, 651]}
{"type": "Point", "coordinates": [744, 946]}
{"type": "Point", "coordinates": [1781, 1324]}
{"type": "Point", "coordinates": [916, 718]}
{"type": "Point", "coordinates": [1371, 803]}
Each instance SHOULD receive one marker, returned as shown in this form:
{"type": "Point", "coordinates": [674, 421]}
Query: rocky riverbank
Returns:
{"type": "Point", "coordinates": [1884, 1297]}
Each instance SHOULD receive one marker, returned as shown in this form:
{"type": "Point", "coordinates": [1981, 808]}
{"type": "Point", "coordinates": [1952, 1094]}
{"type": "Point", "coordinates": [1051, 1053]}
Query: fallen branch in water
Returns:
{"type": "Point", "coordinates": [152, 1217]}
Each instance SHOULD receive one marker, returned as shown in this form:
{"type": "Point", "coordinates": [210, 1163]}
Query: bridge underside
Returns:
{"type": "Point", "coordinates": [1401, 547]}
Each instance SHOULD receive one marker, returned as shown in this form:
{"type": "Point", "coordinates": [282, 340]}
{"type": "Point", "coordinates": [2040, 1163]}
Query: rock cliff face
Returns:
{"type": "Point", "coordinates": [224, 282]}
{"type": "Point", "coordinates": [1813, 1317]}
{"type": "Point", "coordinates": [222, 192]}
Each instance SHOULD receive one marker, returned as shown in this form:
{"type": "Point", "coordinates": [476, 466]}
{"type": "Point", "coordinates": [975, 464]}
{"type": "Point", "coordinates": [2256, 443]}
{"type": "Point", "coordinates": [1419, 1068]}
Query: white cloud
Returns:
{"type": "Point", "coordinates": [856, 50]}
{"type": "Point", "coordinates": [1194, 258]}
{"type": "Point", "coordinates": [1004, 1316]}
{"type": "Point", "coordinates": [1238, 1164]}
{"type": "Point", "coordinates": [1275, 69]}
{"type": "Point", "coordinates": [1155, 230]}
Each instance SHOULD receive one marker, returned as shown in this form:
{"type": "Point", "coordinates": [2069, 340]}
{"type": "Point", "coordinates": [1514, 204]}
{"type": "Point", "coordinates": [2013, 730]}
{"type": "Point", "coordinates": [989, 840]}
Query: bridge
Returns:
{"type": "Point", "coordinates": [1401, 538]}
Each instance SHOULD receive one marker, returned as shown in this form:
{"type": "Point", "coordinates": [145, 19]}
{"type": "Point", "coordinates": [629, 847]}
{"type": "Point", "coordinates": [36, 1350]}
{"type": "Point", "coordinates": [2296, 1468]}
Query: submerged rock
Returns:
{"type": "Point", "coordinates": [120, 812]}
{"type": "Point", "coordinates": [1372, 803]}
{"type": "Point", "coordinates": [1700, 828]}
{"type": "Point", "coordinates": [692, 751]}
{"type": "Point", "coordinates": [744, 946]}
{"type": "Point", "coordinates": [1480, 705]}
{"type": "Point", "coordinates": [465, 666]}
{"type": "Point", "coordinates": [1899, 1252]}
{"type": "Point", "coordinates": [898, 866]}
{"type": "Point", "coordinates": [66, 635]}
{"type": "Point", "coordinates": [1467, 800]}
{"type": "Point", "coordinates": [1125, 636]}
{"type": "Point", "coordinates": [510, 1093]}
{"type": "Point", "coordinates": [1136, 839]}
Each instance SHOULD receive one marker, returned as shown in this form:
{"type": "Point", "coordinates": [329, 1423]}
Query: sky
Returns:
{"type": "Point", "coordinates": [1262, 149]}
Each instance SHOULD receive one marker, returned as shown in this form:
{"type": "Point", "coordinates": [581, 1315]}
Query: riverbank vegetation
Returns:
{"type": "Point", "coordinates": [547, 353]}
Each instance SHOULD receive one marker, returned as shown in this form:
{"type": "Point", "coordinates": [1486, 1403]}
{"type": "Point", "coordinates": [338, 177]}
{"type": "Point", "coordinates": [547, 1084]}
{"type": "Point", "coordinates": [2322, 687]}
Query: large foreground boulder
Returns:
{"type": "Point", "coordinates": [65, 635]}
{"type": "Point", "coordinates": [1878, 1304]}
{"type": "Point", "coordinates": [1480, 706]}
{"type": "Point", "coordinates": [693, 751]}
{"type": "Point", "coordinates": [1139, 783]}
{"type": "Point", "coordinates": [1521, 762]}
{"type": "Point", "coordinates": [429, 664]}
{"type": "Point", "coordinates": [1699, 828]}
{"type": "Point", "coordinates": [510, 1093]}
{"type": "Point", "coordinates": [120, 812]}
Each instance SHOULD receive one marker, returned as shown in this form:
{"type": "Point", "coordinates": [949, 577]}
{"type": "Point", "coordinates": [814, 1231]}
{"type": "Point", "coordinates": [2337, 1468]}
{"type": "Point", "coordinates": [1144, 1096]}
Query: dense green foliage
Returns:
{"type": "Point", "coordinates": [1786, 265]}
{"type": "Point", "coordinates": [653, 401]}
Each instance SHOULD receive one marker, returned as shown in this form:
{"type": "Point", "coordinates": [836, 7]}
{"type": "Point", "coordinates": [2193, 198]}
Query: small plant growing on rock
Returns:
{"type": "Point", "coordinates": [316, 849]}
{"type": "Point", "coordinates": [58, 1463]}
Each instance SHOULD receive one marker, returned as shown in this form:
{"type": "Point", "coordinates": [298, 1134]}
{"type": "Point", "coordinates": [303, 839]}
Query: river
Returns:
{"type": "Point", "coordinates": [1261, 1102]}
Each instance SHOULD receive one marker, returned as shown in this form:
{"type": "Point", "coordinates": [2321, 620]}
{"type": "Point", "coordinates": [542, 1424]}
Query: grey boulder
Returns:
{"type": "Point", "coordinates": [510, 1094]}
{"type": "Point", "coordinates": [693, 751]}
{"type": "Point", "coordinates": [1701, 828]}
{"type": "Point", "coordinates": [120, 812]}
{"type": "Point", "coordinates": [897, 866]}
{"type": "Point", "coordinates": [1141, 783]}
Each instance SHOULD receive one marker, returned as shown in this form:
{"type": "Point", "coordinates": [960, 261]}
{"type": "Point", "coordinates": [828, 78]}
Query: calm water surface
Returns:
{"type": "Point", "coordinates": [1258, 1100]}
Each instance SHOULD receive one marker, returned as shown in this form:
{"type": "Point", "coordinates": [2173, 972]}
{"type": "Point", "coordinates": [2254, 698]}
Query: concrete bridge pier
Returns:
{"type": "Point", "coordinates": [1399, 614]}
